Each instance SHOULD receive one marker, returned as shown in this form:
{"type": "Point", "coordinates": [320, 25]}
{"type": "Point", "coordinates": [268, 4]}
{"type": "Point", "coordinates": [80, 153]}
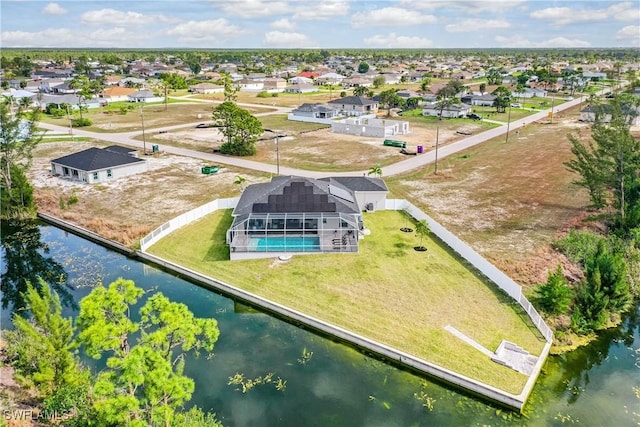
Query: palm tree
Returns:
{"type": "Point", "coordinates": [240, 181]}
{"type": "Point", "coordinates": [376, 170]}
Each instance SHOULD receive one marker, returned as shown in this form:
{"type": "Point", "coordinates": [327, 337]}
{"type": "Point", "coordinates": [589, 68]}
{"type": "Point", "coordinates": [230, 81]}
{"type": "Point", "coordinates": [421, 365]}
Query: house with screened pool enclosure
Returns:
{"type": "Point", "coordinates": [297, 215]}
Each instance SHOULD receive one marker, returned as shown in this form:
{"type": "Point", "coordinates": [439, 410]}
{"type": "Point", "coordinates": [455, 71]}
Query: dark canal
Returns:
{"type": "Point", "coordinates": [327, 384]}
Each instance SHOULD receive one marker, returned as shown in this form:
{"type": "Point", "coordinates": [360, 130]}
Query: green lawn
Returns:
{"type": "Point", "coordinates": [387, 292]}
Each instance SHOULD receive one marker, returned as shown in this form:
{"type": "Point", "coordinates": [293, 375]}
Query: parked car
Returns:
{"type": "Point", "coordinates": [202, 126]}
{"type": "Point", "coordinates": [474, 116]}
{"type": "Point", "coordinates": [516, 105]}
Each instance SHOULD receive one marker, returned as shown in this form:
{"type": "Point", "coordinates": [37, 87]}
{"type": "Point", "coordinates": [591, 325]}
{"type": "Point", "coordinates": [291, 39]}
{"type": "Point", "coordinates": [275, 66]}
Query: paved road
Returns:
{"type": "Point", "coordinates": [127, 138]}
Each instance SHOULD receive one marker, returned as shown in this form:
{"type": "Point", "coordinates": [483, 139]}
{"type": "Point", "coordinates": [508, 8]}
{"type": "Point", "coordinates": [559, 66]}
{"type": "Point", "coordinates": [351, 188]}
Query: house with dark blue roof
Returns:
{"type": "Point", "coordinates": [99, 164]}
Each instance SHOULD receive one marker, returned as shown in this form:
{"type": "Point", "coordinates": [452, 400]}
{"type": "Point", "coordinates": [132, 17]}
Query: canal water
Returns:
{"type": "Point", "coordinates": [323, 383]}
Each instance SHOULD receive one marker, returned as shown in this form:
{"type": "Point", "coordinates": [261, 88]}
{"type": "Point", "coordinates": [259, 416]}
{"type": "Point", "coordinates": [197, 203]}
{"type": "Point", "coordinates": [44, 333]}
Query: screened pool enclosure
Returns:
{"type": "Point", "coordinates": [295, 232]}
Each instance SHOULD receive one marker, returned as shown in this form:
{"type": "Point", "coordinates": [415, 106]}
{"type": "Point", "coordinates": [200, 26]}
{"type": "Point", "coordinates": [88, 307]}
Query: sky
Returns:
{"type": "Point", "coordinates": [369, 24]}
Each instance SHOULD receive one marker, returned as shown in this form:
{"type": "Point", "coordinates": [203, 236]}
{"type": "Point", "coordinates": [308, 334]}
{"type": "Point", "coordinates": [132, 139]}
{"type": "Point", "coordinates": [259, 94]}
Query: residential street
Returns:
{"type": "Point", "coordinates": [127, 138]}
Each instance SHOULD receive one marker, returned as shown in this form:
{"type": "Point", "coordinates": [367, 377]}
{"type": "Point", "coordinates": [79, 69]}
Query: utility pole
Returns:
{"type": "Point", "coordinates": [144, 141]}
{"type": "Point", "coordinates": [70, 126]}
{"type": "Point", "coordinates": [508, 124]}
{"type": "Point", "coordinates": [437, 137]}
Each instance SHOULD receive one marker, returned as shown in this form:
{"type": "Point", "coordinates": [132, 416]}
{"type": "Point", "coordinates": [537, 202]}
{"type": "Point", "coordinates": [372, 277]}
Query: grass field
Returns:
{"type": "Point", "coordinates": [155, 115]}
{"type": "Point", "coordinates": [387, 292]}
{"type": "Point", "coordinates": [510, 201]}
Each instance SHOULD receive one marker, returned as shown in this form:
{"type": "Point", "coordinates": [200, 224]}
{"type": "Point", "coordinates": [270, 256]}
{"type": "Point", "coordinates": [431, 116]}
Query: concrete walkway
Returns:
{"type": "Point", "coordinates": [415, 162]}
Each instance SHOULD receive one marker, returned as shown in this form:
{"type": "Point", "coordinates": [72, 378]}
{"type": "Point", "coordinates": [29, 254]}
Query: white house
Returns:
{"type": "Point", "coordinates": [300, 88]}
{"type": "Point", "coordinates": [313, 113]}
{"type": "Point", "coordinates": [205, 88]}
{"type": "Point", "coordinates": [98, 165]}
{"type": "Point", "coordinates": [144, 96]}
{"type": "Point", "coordinates": [250, 85]}
{"type": "Point", "coordinates": [456, 110]}
{"type": "Point", "coordinates": [364, 126]}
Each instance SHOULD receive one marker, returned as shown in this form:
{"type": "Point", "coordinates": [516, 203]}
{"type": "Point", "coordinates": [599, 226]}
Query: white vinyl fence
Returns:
{"type": "Point", "coordinates": [184, 219]}
{"type": "Point", "coordinates": [485, 267]}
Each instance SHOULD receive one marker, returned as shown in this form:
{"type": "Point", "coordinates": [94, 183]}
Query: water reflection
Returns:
{"type": "Point", "coordinates": [25, 258]}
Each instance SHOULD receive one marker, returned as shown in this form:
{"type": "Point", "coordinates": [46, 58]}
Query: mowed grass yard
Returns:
{"type": "Point", "coordinates": [387, 292]}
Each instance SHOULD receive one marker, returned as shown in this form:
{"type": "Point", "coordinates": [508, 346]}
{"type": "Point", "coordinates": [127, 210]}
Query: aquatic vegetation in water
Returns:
{"type": "Point", "coordinates": [306, 356]}
{"type": "Point", "coordinates": [423, 396]}
{"type": "Point", "coordinates": [247, 384]}
{"type": "Point", "coordinates": [566, 419]}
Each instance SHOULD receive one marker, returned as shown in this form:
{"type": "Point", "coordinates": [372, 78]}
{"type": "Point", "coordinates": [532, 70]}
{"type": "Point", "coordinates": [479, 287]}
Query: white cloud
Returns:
{"type": "Point", "coordinates": [253, 8]}
{"type": "Point", "coordinates": [470, 25]}
{"type": "Point", "coordinates": [560, 16]}
{"type": "Point", "coordinates": [466, 6]}
{"type": "Point", "coordinates": [117, 17]}
{"type": "Point", "coordinates": [630, 33]}
{"type": "Point", "coordinates": [283, 24]}
{"type": "Point", "coordinates": [46, 38]}
{"type": "Point", "coordinates": [64, 37]}
{"type": "Point", "coordinates": [390, 16]}
{"type": "Point", "coordinates": [392, 40]}
{"type": "Point", "coordinates": [287, 40]}
{"type": "Point", "coordinates": [517, 41]}
{"type": "Point", "coordinates": [213, 29]}
{"type": "Point", "coordinates": [322, 10]}
{"type": "Point", "coordinates": [53, 9]}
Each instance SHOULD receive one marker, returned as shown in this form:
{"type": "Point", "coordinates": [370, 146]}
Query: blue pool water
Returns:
{"type": "Point", "coordinates": [287, 243]}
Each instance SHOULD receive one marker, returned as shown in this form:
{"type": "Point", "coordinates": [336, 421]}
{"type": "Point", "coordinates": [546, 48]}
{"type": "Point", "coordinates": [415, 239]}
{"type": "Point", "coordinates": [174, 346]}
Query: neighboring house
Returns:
{"type": "Point", "coordinates": [456, 110]}
{"type": "Point", "coordinates": [529, 93]}
{"type": "Point", "coordinates": [98, 164]}
{"type": "Point", "coordinates": [144, 96]}
{"type": "Point", "coordinates": [391, 78]}
{"type": "Point", "coordinates": [293, 214]}
{"type": "Point", "coordinates": [205, 88]}
{"type": "Point", "coordinates": [73, 100]}
{"type": "Point", "coordinates": [381, 128]}
{"type": "Point", "coordinates": [484, 100]}
{"type": "Point", "coordinates": [117, 93]}
{"type": "Point", "coordinates": [17, 95]}
{"type": "Point", "coordinates": [356, 82]}
{"type": "Point", "coordinates": [300, 80]}
{"type": "Point", "coordinates": [275, 84]}
{"type": "Point", "coordinates": [604, 110]}
{"type": "Point", "coordinates": [314, 113]}
{"type": "Point", "coordinates": [330, 78]}
{"type": "Point", "coordinates": [300, 88]}
{"type": "Point", "coordinates": [250, 85]}
{"type": "Point", "coordinates": [354, 105]}
{"type": "Point", "coordinates": [112, 80]}
{"type": "Point", "coordinates": [48, 85]}
{"type": "Point", "coordinates": [132, 82]}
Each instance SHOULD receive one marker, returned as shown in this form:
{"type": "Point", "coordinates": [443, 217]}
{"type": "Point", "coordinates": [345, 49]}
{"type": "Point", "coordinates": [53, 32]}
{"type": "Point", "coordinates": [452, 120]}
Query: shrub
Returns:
{"type": "Point", "coordinates": [554, 296]}
{"type": "Point", "coordinates": [264, 94]}
{"type": "Point", "coordinates": [81, 122]}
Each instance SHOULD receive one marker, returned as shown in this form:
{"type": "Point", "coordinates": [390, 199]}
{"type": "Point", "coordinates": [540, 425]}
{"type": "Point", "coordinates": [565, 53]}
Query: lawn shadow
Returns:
{"type": "Point", "coordinates": [219, 250]}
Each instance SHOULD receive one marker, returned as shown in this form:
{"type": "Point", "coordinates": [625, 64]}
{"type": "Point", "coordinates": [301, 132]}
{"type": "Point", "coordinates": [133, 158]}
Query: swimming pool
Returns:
{"type": "Point", "coordinates": [286, 243]}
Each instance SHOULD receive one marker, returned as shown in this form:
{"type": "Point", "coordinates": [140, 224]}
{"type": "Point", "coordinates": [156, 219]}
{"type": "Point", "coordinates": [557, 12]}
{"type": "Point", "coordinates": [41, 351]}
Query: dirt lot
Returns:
{"type": "Point", "coordinates": [508, 200]}
{"type": "Point", "coordinates": [128, 208]}
{"type": "Point", "coordinates": [321, 149]}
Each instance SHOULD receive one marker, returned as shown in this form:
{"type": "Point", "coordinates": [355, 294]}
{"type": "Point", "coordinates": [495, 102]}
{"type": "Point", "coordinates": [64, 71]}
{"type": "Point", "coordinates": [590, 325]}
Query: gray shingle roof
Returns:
{"type": "Point", "coordinates": [294, 194]}
{"type": "Point", "coordinates": [353, 100]}
{"type": "Point", "coordinates": [359, 183]}
{"type": "Point", "coordinates": [95, 159]}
